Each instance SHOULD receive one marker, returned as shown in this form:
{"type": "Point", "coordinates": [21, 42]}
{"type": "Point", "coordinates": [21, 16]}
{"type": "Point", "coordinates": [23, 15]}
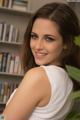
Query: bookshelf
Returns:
{"type": "Point", "coordinates": [15, 20]}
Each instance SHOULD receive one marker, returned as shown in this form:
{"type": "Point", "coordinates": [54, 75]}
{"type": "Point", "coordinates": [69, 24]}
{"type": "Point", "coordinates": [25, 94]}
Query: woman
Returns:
{"type": "Point", "coordinates": [44, 93]}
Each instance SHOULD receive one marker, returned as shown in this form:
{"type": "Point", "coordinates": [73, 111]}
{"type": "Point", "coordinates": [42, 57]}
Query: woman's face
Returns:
{"type": "Point", "coordinates": [46, 43]}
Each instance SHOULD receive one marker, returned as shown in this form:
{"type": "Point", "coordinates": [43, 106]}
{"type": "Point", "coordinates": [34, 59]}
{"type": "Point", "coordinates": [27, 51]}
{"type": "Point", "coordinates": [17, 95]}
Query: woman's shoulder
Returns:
{"type": "Point", "coordinates": [35, 75]}
{"type": "Point", "coordinates": [43, 70]}
{"type": "Point", "coordinates": [35, 72]}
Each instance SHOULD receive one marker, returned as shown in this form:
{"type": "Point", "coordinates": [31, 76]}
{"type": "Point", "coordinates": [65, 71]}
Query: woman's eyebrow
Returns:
{"type": "Point", "coordinates": [50, 35]}
{"type": "Point", "coordinates": [33, 33]}
{"type": "Point", "coordinates": [45, 35]}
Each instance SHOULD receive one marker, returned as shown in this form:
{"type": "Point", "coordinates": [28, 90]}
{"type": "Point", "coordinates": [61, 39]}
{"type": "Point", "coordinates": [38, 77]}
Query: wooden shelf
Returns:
{"type": "Point", "coordinates": [2, 103]}
{"type": "Point", "coordinates": [13, 11]}
{"type": "Point", "coordinates": [11, 43]}
{"type": "Point", "coordinates": [11, 74]}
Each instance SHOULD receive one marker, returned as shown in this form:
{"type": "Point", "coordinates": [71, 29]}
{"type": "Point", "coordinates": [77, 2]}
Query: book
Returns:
{"type": "Point", "coordinates": [0, 90]}
{"type": "Point", "coordinates": [10, 33]}
{"type": "Point", "coordinates": [4, 61]}
{"type": "Point", "coordinates": [4, 31]}
{"type": "Point", "coordinates": [8, 63]}
{"type": "Point", "coordinates": [1, 31]}
{"type": "Point", "coordinates": [1, 55]}
{"type": "Point", "coordinates": [20, 5]}
{"type": "Point", "coordinates": [11, 69]}
{"type": "Point", "coordinates": [19, 8]}
{"type": "Point", "coordinates": [20, 70]}
{"type": "Point", "coordinates": [20, 2]}
{"type": "Point", "coordinates": [1, 3]}
{"type": "Point", "coordinates": [5, 3]}
{"type": "Point", "coordinates": [7, 32]}
{"type": "Point", "coordinates": [10, 3]}
{"type": "Point", "coordinates": [5, 91]}
{"type": "Point", "coordinates": [8, 90]}
{"type": "Point", "coordinates": [16, 64]}
{"type": "Point", "coordinates": [14, 34]}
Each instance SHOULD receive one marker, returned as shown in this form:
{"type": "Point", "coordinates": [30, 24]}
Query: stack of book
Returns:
{"type": "Point", "coordinates": [6, 3]}
{"type": "Point", "coordinates": [8, 33]}
{"type": "Point", "coordinates": [10, 63]}
{"type": "Point", "coordinates": [6, 88]}
{"type": "Point", "coordinates": [15, 4]}
{"type": "Point", "coordinates": [20, 5]}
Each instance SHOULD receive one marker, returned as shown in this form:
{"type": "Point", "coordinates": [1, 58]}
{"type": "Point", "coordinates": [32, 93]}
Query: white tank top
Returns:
{"type": "Point", "coordinates": [60, 101]}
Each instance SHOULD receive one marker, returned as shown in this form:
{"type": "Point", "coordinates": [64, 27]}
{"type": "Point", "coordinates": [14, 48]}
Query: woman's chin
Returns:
{"type": "Point", "coordinates": [39, 63]}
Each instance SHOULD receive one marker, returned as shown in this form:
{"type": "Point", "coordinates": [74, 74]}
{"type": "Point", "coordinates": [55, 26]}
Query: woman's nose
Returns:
{"type": "Point", "coordinates": [39, 44]}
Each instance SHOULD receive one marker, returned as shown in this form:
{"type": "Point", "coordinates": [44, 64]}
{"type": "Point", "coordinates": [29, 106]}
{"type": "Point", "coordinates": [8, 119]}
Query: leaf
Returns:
{"type": "Point", "coordinates": [73, 72]}
{"type": "Point", "coordinates": [76, 95]}
{"type": "Point", "coordinates": [77, 40]}
{"type": "Point", "coordinates": [73, 115]}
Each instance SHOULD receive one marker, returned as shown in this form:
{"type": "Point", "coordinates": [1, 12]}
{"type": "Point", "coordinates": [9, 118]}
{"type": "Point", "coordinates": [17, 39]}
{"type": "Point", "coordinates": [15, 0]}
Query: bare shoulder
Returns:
{"type": "Point", "coordinates": [35, 77]}
{"type": "Point", "coordinates": [36, 73]}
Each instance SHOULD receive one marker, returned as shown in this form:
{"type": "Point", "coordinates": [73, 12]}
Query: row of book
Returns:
{"type": "Point", "coordinates": [21, 5]}
{"type": "Point", "coordinates": [8, 32]}
{"type": "Point", "coordinates": [6, 88]}
{"type": "Point", "coordinates": [6, 3]}
{"type": "Point", "coordinates": [15, 4]}
{"type": "Point", "coordinates": [10, 63]}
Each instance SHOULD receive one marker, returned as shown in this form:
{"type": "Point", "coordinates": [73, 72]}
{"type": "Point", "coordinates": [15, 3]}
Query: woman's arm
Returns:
{"type": "Point", "coordinates": [27, 97]}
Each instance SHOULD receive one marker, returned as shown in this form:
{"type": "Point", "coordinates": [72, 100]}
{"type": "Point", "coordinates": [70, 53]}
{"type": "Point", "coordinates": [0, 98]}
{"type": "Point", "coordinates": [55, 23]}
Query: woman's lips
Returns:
{"type": "Point", "coordinates": [40, 55]}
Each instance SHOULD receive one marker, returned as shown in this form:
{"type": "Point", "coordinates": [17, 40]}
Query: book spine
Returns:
{"type": "Point", "coordinates": [4, 31]}
{"type": "Point", "coordinates": [11, 69]}
{"type": "Point", "coordinates": [16, 64]}
{"type": "Point", "coordinates": [6, 89]}
{"type": "Point", "coordinates": [8, 63]}
{"type": "Point", "coordinates": [1, 57]}
{"type": "Point", "coordinates": [4, 62]}
{"type": "Point", "coordinates": [10, 33]}
{"type": "Point", "coordinates": [14, 35]}
{"type": "Point", "coordinates": [1, 3]}
{"type": "Point", "coordinates": [1, 31]}
{"type": "Point", "coordinates": [0, 91]}
{"type": "Point", "coordinates": [5, 3]}
{"type": "Point", "coordinates": [10, 3]}
{"type": "Point", "coordinates": [7, 32]}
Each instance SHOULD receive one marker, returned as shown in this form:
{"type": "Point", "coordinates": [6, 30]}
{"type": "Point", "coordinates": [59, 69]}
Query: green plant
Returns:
{"type": "Point", "coordinates": [75, 74]}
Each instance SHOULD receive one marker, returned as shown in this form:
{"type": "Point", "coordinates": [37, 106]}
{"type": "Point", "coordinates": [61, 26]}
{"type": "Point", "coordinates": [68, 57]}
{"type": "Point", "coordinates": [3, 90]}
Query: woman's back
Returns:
{"type": "Point", "coordinates": [60, 101]}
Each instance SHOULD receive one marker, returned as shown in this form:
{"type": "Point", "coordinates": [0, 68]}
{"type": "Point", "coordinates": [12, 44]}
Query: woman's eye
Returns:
{"type": "Point", "coordinates": [33, 36]}
{"type": "Point", "coordinates": [49, 39]}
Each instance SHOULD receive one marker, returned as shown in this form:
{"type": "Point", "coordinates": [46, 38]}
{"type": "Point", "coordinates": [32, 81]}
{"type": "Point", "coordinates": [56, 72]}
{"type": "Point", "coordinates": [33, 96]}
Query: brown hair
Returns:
{"type": "Point", "coordinates": [69, 27]}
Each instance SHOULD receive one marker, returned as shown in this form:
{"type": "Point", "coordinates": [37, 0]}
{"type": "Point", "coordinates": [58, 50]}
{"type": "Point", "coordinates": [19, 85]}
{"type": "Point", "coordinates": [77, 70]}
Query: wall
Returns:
{"type": "Point", "coordinates": [35, 4]}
